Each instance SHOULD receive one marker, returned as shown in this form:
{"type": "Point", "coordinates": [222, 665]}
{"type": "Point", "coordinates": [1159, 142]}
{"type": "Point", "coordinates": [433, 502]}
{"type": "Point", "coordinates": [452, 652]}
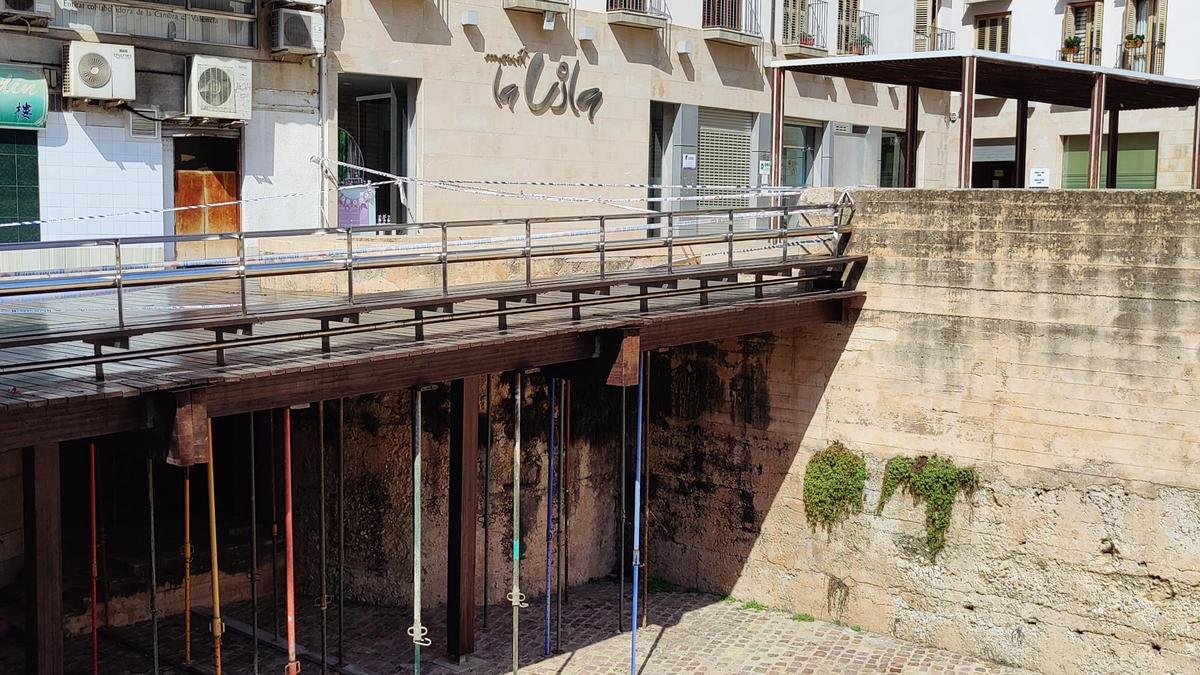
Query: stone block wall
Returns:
{"type": "Point", "coordinates": [1048, 339]}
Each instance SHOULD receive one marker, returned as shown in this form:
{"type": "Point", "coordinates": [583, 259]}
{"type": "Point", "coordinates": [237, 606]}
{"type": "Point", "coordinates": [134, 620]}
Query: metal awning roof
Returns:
{"type": "Point", "coordinates": [1008, 76]}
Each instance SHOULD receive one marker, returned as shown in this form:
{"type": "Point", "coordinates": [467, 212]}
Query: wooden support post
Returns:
{"type": "Point", "coordinates": [912, 109]}
{"type": "Point", "coordinates": [464, 452]}
{"type": "Point", "coordinates": [1114, 131]}
{"type": "Point", "coordinates": [1096, 129]}
{"type": "Point", "coordinates": [967, 120]}
{"type": "Point", "coordinates": [1022, 149]}
{"type": "Point", "coordinates": [43, 560]}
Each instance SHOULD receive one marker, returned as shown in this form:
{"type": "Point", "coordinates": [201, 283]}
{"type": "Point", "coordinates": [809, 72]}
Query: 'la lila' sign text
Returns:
{"type": "Point", "coordinates": [560, 96]}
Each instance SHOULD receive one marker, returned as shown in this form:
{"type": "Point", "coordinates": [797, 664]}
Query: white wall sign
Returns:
{"type": "Point", "coordinates": [689, 160]}
{"type": "Point", "coordinates": [1039, 178]}
{"type": "Point", "coordinates": [764, 168]}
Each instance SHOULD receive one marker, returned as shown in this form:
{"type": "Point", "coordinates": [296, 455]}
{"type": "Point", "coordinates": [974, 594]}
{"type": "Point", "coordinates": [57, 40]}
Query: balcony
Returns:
{"type": "Point", "coordinates": [941, 41]}
{"type": "Point", "coordinates": [539, 6]}
{"type": "Point", "coordinates": [1080, 55]}
{"type": "Point", "coordinates": [804, 32]}
{"type": "Point", "coordinates": [650, 14]}
{"type": "Point", "coordinates": [1145, 58]}
{"type": "Point", "coordinates": [732, 22]}
{"type": "Point", "coordinates": [859, 37]}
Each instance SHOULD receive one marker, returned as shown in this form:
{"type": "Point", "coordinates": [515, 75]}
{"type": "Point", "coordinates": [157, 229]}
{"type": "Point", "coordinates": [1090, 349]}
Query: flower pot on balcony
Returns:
{"type": "Point", "coordinates": [857, 49]}
{"type": "Point", "coordinates": [808, 40]}
{"type": "Point", "coordinates": [1070, 51]}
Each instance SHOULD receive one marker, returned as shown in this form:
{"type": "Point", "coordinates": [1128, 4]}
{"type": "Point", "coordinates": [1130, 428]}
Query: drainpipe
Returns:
{"type": "Point", "coordinates": [293, 665]}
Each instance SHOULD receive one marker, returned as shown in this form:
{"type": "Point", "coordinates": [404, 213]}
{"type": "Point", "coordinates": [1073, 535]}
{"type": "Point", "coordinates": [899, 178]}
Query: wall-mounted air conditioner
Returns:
{"type": "Point", "coordinates": [297, 32]}
{"type": "Point", "coordinates": [307, 3]}
{"type": "Point", "coordinates": [218, 88]}
{"type": "Point", "coordinates": [98, 71]}
{"type": "Point", "coordinates": [39, 9]}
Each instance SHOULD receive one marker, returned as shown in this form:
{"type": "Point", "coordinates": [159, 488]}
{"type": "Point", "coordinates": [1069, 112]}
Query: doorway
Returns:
{"type": "Point", "coordinates": [373, 124]}
{"type": "Point", "coordinates": [207, 171]}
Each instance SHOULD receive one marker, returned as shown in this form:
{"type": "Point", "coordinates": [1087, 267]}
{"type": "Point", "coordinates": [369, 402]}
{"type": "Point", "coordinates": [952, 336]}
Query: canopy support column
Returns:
{"type": "Point", "coordinates": [967, 120]}
{"type": "Point", "coordinates": [1096, 129]}
{"type": "Point", "coordinates": [1114, 130]}
{"type": "Point", "coordinates": [43, 559]}
{"type": "Point", "coordinates": [1196, 149]}
{"type": "Point", "coordinates": [911, 111]}
{"type": "Point", "coordinates": [1022, 145]}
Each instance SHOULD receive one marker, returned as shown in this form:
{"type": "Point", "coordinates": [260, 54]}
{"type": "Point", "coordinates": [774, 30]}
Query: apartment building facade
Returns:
{"type": "Point", "coordinates": [133, 108]}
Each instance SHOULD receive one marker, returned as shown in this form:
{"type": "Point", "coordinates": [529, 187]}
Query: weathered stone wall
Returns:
{"type": "Point", "coordinates": [378, 489]}
{"type": "Point", "coordinates": [1048, 339]}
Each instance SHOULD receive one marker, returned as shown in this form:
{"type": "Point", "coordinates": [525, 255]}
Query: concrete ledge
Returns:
{"type": "Point", "coordinates": [804, 52]}
{"type": "Point", "coordinates": [539, 6]}
{"type": "Point", "coordinates": [636, 19]}
{"type": "Point", "coordinates": [732, 37]}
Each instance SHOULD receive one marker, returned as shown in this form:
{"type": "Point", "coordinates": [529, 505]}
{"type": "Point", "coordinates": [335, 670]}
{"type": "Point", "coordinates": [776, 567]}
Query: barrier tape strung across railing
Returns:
{"type": "Point", "coordinates": [686, 221]}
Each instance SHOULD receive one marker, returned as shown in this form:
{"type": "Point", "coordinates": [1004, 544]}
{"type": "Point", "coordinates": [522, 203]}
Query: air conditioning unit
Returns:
{"type": "Point", "coordinates": [219, 88]}
{"type": "Point", "coordinates": [40, 9]}
{"type": "Point", "coordinates": [297, 32]}
{"type": "Point", "coordinates": [307, 3]}
{"type": "Point", "coordinates": [98, 71]}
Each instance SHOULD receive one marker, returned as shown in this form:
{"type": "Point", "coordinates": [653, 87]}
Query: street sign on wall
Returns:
{"type": "Point", "coordinates": [23, 97]}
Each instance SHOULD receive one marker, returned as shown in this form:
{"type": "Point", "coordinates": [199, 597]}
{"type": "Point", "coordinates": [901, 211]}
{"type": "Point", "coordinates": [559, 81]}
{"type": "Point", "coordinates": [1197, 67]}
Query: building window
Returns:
{"type": "Point", "coordinates": [1144, 45]}
{"type": "Point", "coordinates": [1137, 162]}
{"type": "Point", "coordinates": [991, 32]}
{"type": "Point", "coordinates": [891, 159]}
{"type": "Point", "coordinates": [221, 22]}
{"type": "Point", "coordinates": [1081, 39]}
{"type": "Point", "coordinates": [19, 185]}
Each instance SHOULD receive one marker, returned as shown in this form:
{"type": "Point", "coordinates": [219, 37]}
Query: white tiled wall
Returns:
{"type": "Point", "coordinates": [88, 165]}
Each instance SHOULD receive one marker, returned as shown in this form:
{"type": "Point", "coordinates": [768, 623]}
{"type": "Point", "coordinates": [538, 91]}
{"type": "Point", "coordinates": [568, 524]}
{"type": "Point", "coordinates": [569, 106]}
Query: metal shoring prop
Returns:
{"type": "Point", "coordinates": [566, 506]}
{"type": "Point", "coordinates": [341, 509]}
{"type": "Point", "coordinates": [637, 510]}
{"type": "Point", "coordinates": [562, 477]}
{"type": "Point", "coordinates": [293, 665]}
{"type": "Point", "coordinates": [187, 565]}
{"type": "Point", "coordinates": [153, 564]}
{"type": "Point", "coordinates": [214, 572]}
{"type": "Point", "coordinates": [323, 601]}
{"type": "Point", "coordinates": [95, 567]}
{"type": "Point", "coordinates": [487, 481]}
{"type": "Point", "coordinates": [550, 506]}
{"type": "Point", "coordinates": [253, 543]}
{"type": "Point", "coordinates": [644, 449]}
{"type": "Point", "coordinates": [624, 513]}
{"type": "Point", "coordinates": [274, 527]}
{"type": "Point", "coordinates": [515, 596]}
{"type": "Point", "coordinates": [417, 632]}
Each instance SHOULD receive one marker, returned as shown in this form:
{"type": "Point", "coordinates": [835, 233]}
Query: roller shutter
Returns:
{"type": "Point", "coordinates": [724, 153]}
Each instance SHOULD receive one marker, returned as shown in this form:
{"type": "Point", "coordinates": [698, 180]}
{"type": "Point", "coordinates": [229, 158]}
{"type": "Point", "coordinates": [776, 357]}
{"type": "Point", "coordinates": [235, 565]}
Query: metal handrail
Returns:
{"type": "Point", "coordinates": [345, 260]}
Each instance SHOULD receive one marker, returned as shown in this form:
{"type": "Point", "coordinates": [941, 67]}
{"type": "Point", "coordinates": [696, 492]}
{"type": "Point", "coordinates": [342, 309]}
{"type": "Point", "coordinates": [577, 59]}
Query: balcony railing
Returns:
{"type": "Point", "coordinates": [859, 37]}
{"type": "Point", "coordinates": [736, 15]}
{"type": "Point", "coordinates": [1144, 59]}
{"type": "Point", "coordinates": [647, 7]}
{"type": "Point", "coordinates": [1079, 55]}
{"type": "Point", "coordinates": [942, 40]}
{"type": "Point", "coordinates": [807, 29]}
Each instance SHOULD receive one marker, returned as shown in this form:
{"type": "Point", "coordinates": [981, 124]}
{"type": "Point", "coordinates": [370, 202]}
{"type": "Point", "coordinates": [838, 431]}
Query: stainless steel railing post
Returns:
{"type": "Point", "coordinates": [670, 243]}
{"type": "Point", "coordinates": [120, 284]}
{"type": "Point", "coordinates": [445, 262]}
{"type": "Point", "coordinates": [603, 242]}
{"type": "Point", "coordinates": [785, 233]}
{"type": "Point", "coordinates": [528, 254]}
{"type": "Point", "coordinates": [350, 266]}
{"type": "Point", "coordinates": [241, 241]}
{"type": "Point", "coordinates": [729, 237]}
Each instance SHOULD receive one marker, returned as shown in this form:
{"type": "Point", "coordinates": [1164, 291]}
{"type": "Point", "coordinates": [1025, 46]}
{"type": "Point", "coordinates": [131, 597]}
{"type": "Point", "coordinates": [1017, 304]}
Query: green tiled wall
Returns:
{"type": "Point", "coordinates": [18, 185]}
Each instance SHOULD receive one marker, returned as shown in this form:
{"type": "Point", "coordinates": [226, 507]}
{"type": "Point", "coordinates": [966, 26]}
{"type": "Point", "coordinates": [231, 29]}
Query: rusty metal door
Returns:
{"type": "Point", "coordinates": [206, 173]}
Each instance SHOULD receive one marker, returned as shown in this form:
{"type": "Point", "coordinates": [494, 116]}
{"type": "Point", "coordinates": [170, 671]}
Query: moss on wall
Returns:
{"type": "Point", "coordinates": [936, 481]}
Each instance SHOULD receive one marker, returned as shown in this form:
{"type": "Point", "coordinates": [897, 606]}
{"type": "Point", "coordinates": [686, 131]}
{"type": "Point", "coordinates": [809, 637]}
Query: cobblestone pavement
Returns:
{"type": "Point", "coordinates": [687, 633]}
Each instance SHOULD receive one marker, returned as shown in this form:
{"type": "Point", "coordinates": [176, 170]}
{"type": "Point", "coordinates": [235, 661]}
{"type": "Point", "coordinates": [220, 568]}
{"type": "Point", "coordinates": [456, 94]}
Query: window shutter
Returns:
{"type": "Point", "coordinates": [1160, 36]}
{"type": "Point", "coordinates": [1130, 18]}
{"type": "Point", "coordinates": [791, 22]}
{"type": "Point", "coordinates": [923, 30]}
{"type": "Point", "coordinates": [1097, 36]}
{"type": "Point", "coordinates": [991, 33]}
{"type": "Point", "coordinates": [1068, 25]}
{"type": "Point", "coordinates": [724, 154]}
{"type": "Point", "coordinates": [1005, 22]}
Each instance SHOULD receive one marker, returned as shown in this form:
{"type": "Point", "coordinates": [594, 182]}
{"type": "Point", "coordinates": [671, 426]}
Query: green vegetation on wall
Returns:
{"type": "Point", "coordinates": [935, 481]}
{"type": "Point", "coordinates": [833, 485]}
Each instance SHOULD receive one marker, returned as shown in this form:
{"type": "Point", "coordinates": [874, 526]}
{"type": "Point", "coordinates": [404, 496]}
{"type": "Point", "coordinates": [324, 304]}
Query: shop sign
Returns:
{"type": "Point", "coordinates": [356, 206]}
{"type": "Point", "coordinates": [560, 96]}
{"type": "Point", "coordinates": [23, 97]}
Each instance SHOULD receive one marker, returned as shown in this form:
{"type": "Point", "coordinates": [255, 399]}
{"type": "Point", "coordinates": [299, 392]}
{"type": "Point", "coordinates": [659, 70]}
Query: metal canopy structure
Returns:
{"type": "Point", "coordinates": [1024, 79]}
